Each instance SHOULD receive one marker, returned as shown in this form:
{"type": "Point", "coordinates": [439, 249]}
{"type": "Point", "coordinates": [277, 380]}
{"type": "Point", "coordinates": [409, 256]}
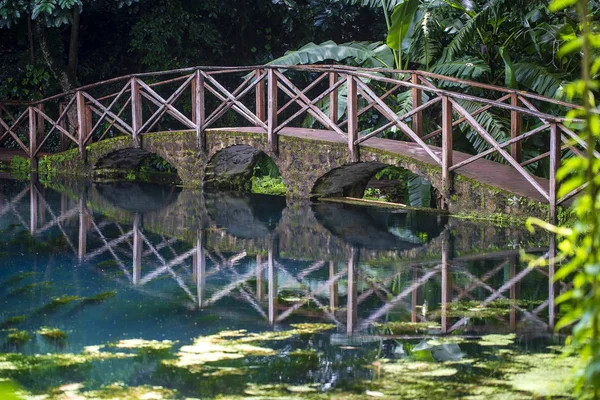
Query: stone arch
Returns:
{"type": "Point", "coordinates": [351, 180]}
{"type": "Point", "coordinates": [120, 162]}
{"type": "Point", "coordinates": [232, 167]}
{"type": "Point", "coordinates": [117, 156]}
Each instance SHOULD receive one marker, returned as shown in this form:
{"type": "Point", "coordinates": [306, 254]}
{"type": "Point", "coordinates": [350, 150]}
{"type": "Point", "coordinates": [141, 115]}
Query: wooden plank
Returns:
{"type": "Point", "coordinates": [261, 111]}
{"type": "Point", "coordinates": [417, 100]}
{"type": "Point", "coordinates": [81, 122]}
{"type": "Point", "coordinates": [32, 138]}
{"type": "Point", "coordinates": [40, 122]}
{"type": "Point", "coordinates": [136, 112]}
{"type": "Point", "coordinates": [272, 111]}
{"type": "Point", "coordinates": [554, 165]}
{"type": "Point", "coordinates": [199, 107]}
{"type": "Point", "coordinates": [64, 144]}
{"type": "Point", "coordinates": [352, 112]}
{"type": "Point", "coordinates": [516, 121]}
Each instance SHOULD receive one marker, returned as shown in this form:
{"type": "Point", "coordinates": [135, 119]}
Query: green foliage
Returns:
{"type": "Point", "coordinates": [20, 164]}
{"type": "Point", "coordinates": [268, 185]}
{"type": "Point", "coordinates": [53, 13]}
{"type": "Point", "coordinates": [20, 167]}
{"type": "Point", "coordinates": [401, 21]}
{"type": "Point", "coordinates": [419, 191]}
{"type": "Point", "coordinates": [375, 55]}
{"type": "Point", "coordinates": [579, 245]}
{"type": "Point", "coordinates": [31, 83]}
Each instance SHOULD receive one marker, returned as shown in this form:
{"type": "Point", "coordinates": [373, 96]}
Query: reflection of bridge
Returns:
{"type": "Point", "coordinates": [333, 290]}
{"type": "Point", "coordinates": [312, 162]}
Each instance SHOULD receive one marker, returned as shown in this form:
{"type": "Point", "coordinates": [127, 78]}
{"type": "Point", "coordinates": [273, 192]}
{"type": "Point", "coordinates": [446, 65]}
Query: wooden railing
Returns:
{"type": "Point", "coordinates": [285, 96]}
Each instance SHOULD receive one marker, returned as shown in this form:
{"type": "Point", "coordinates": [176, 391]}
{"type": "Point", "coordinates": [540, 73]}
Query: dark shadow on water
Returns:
{"type": "Point", "coordinates": [138, 196]}
{"type": "Point", "coordinates": [379, 229]}
{"type": "Point", "coordinates": [246, 216]}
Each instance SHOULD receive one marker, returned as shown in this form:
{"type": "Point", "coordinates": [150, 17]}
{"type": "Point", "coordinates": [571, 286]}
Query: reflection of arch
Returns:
{"type": "Point", "coordinates": [245, 216]}
{"type": "Point", "coordinates": [372, 228]}
{"type": "Point", "coordinates": [138, 196]}
{"type": "Point", "coordinates": [231, 168]}
{"type": "Point", "coordinates": [351, 180]}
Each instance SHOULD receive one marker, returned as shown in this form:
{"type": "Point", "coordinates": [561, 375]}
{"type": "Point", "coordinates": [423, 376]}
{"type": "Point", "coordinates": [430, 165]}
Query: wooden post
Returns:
{"type": "Point", "coordinates": [40, 123]}
{"type": "Point", "coordinates": [32, 138]}
{"type": "Point", "coordinates": [64, 140]}
{"type": "Point", "coordinates": [333, 98]}
{"type": "Point", "coordinates": [261, 112]}
{"type": "Point", "coordinates": [273, 291]}
{"type": "Point", "coordinates": [198, 109]}
{"type": "Point", "coordinates": [352, 112]}
{"type": "Point", "coordinates": [272, 111]}
{"type": "Point", "coordinates": [554, 165]}
{"type": "Point", "coordinates": [446, 146]}
{"type": "Point", "coordinates": [136, 112]}
{"type": "Point", "coordinates": [138, 244]}
{"type": "Point", "coordinates": [417, 100]}
{"type": "Point", "coordinates": [88, 125]}
{"type": "Point", "coordinates": [82, 129]}
{"type": "Point", "coordinates": [351, 303]}
{"type": "Point", "coordinates": [516, 121]}
{"type": "Point", "coordinates": [333, 287]}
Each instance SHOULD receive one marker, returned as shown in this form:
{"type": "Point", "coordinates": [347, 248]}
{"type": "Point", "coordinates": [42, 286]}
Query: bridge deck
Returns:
{"type": "Point", "coordinates": [487, 172]}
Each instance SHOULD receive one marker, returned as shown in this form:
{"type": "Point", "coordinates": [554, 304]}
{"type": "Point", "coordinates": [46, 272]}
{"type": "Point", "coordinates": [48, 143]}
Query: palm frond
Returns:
{"type": "Point", "coordinates": [312, 53]}
{"type": "Point", "coordinates": [538, 78]}
{"type": "Point", "coordinates": [497, 126]}
{"type": "Point", "coordinates": [465, 35]}
{"type": "Point", "coordinates": [464, 68]}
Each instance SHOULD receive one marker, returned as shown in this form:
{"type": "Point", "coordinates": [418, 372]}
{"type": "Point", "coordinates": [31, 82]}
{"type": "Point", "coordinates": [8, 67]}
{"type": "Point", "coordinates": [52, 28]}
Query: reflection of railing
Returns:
{"type": "Point", "coordinates": [145, 257]}
{"type": "Point", "coordinates": [137, 104]}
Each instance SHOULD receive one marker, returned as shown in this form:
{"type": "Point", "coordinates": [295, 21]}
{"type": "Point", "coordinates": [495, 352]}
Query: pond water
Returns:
{"type": "Point", "coordinates": [131, 290]}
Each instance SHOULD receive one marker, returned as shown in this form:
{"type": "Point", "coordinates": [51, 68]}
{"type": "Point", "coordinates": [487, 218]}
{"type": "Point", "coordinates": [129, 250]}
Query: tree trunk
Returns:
{"type": "Point", "coordinates": [74, 43]}
{"type": "Point", "coordinates": [30, 37]}
{"type": "Point", "coordinates": [65, 78]}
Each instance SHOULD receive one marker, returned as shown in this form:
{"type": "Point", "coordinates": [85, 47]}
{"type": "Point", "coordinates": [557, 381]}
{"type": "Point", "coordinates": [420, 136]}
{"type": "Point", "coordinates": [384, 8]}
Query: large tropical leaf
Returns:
{"type": "Point", "coordinates": [510, 78]}
{"type": "Point", "coordinates": [465, 68]}
{"type": "Point", "coordinates": [419, 192]}
{"type": "Point", "coordinates": [538, 78]}
{"type": "Point", "coordinates": [312, 53]}
{"type": "Point", "coordinates": [402, 19]}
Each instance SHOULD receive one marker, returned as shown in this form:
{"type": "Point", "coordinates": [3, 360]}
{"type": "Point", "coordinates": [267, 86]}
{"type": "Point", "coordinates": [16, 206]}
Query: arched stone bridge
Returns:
{"type": "Point", "coordinates": [338, 159]}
